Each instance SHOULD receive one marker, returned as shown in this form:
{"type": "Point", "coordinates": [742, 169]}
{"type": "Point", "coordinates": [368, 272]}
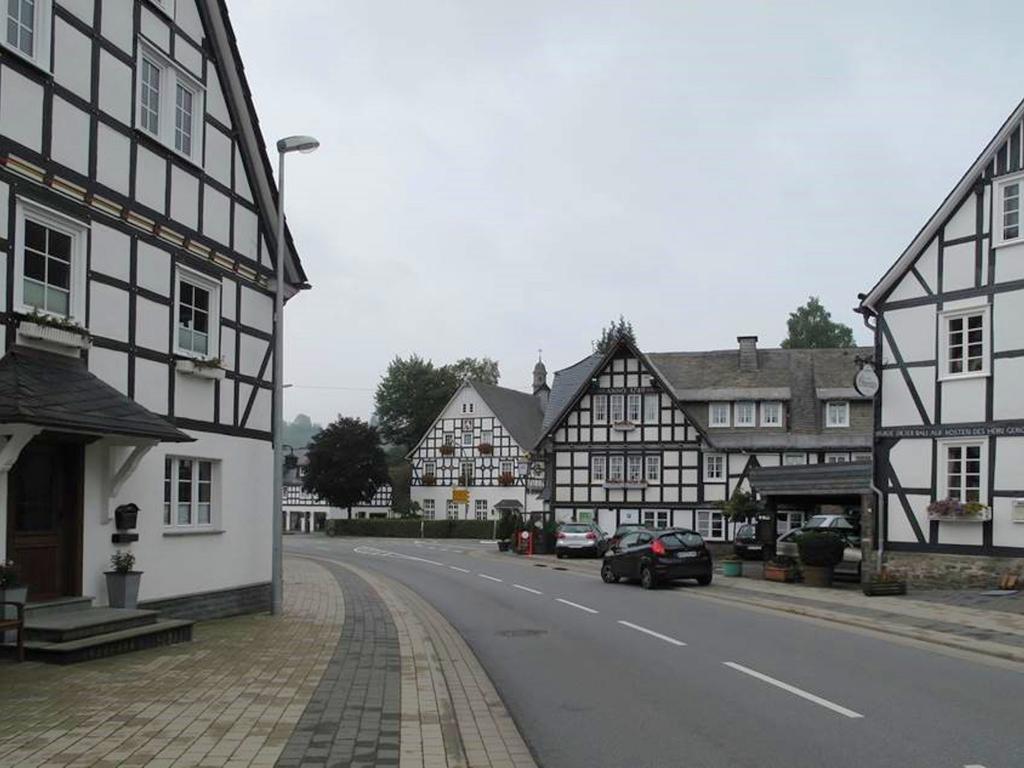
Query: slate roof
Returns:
{"type": "Point", "coordinates": [58, 392]}
{"type": "Point", "coordinates": [521, 414]}
{"type": "Point", "coordinates": [565, 385]}
{"type": "Point", "coordinates": [813, 479]}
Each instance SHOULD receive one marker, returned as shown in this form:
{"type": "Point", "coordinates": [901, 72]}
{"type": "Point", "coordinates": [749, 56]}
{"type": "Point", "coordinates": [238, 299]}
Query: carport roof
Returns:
{"type": "Point", "coordinates": [843, 479]}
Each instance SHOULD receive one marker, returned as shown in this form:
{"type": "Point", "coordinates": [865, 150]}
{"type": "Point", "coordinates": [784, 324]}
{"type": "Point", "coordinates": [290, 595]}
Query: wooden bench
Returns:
{"type": "Point", "coordinates": [18, 624]}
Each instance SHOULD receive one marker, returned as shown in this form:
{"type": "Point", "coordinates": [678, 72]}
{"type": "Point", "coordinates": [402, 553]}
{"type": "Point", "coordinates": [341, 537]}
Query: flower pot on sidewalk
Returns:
{"type": "Point", "coordinates": [781, 572]}
{"type": "Point", "coordinates": [817, 575]}
{"type": "Point", "coordinates": [732, 567]}
{"type": "Point", "coordinates": [11, 595]}
{"type": "Point", "coordinates": [123, 588]}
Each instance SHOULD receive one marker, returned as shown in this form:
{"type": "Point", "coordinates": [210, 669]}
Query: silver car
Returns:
{"type": "Point", "coordinates": [786, 546]}
{"type": "Point", "coordinates": [580, 538]}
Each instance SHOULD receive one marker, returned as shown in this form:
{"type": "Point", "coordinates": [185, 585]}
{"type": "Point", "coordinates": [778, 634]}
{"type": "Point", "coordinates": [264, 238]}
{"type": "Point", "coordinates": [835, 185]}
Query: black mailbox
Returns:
{"type": "Point", "coordinates": [126, 518]}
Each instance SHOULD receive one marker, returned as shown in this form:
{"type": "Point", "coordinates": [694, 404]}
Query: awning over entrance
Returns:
{"type": "Point", "coordinates": [511, 504]}
{"type": "Point", "coordinates": [846, 479]}
{"type": "Point", "coordinates": [59, 393]}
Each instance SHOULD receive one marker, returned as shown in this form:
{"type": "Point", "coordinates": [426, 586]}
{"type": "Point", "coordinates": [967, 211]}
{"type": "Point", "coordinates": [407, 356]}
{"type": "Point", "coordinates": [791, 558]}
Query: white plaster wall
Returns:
{"type": "Point", "coordinates": [113, 158]}
{"type": "Point", "coordinates": [493, 494]}
{"type": "Point", "coordinates": [958, 267]}
{"type": "Point", "coordinates": [1007, 400]}
{"type": "Point", "coordinates": [912, 462]}
{"type": "Point", "coordinates": [83, 9]}
{"type": "Point", "coordinates": [928, 265]}
{"type": "Point", "coordinates": [1007, 325]}
{"type": "Point", "coordinates": [907, 288]}
{"type": "Point", "coordinates": [184, 198]}
{"type": "Point", "coordinates": [186, 14]}
{"type": "Point", "coordinates": [961, 533]}
{"type": "Point", "coordinates": [218, 155]}
{"type": "Point", "coordinates": [111, 251]}
{"type": "Point", "coordinates": [151, 384]}
{"type": "Point", "coordinates": [257, 310]}
{"type": "Point", "coordinates": [1009, 469]}
{"type": "Point", "coordinates": [115, 88]}
{"type": "Point", "coordinates": [963, 400]}
{"type": "Point", "coordinates": [72, 58]}
{"type": "Point", "coordinates": [151, 323]}
{"type": "Point", "coordinates": [186, 564]}
{"type": "Point", "coordinates": [216, 216]}
{"type": "Point", "coordinates": [110, 366]}
{"type": "Point", "coordinates": [193, 397]}
{"type": "Point", "coordinates": [21, 109]}
{"type": "Point", "coordinates": [963, 222]}
{"type": "Point", "coordinates": [899, 527]}
{"type": "Point", "coordinates": [1005, 532]}
{"type": "Point", "coordinates": [70, 136]}
{"type": "Point", "coordinates": [913, 328]}
{"type": "Point", "coordinates": [897, 405]}
{"type": "Point", "coordinates": [1010, 263]}
{"type": "Point", "coordinates": [150, 179]}
{"type": "Point", "coordinates": [154, 28]}
{"type": "Point", "coordinates": [117, 25]}
{"type": "Point", "coordinates": [108, 311]}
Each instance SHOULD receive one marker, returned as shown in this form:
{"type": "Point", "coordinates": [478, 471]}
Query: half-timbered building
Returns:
{"type": "Point", "coordinates": [948, 318]}
{"type": "Point", "coordinates": [137, 221]}
{"type": "Point", "coordinates": [475, 456]}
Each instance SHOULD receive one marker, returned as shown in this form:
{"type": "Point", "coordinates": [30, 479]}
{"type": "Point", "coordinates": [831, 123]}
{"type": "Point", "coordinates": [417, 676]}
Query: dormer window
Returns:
{"type": "Point", "coordinates": [170, 104]}
{"type": "Point", "coordinates": [771, 414]}
{"type": "Point", "coordinates": [837, 413]}
{"type": "Point", "coordinates": [746, 413]}
{"type": "Point", "coordinates": [718, 415]}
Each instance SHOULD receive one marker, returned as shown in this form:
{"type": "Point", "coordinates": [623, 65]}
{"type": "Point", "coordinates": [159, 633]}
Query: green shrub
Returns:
{"type": "Point", "coordinates": [410, 528]}
{"type": "Point", "coordinates": [821, 549]}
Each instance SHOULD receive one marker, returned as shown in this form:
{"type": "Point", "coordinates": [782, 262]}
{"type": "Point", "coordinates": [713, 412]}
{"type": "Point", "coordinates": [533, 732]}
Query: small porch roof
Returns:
{"type": "Point", "coordinates": [509, 504]}
{"type": "Point", "coordinates": [56, 392]}
{"type": "Point", "coordinates": [846, 479]}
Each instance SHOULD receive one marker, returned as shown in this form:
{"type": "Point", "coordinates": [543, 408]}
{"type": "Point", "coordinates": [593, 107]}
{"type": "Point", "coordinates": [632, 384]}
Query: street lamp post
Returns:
{"type": "Point", "coordinates": [284, 146]}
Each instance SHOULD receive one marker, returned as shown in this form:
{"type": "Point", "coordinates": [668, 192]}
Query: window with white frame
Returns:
{"type": "Point", "coordinates": [428, 509]}
{"type": "Point", "coordinates": [449, 438]}
{"type": "Point", "coordinates": [836, 458]}
{"type": "Point", "coordinates": [452, 510]}
{"type": "Point", "coordinates": [600, 409]}
{"type": "Point", "coordinates": [788, 521]}
{"type": "Point", "coordinates": [598, 469]}
{"type": "Point", "coordinates": [487, 436]}
{"type": "Point", "coordinates": [634, 469]}
{"type": "Point", "coordinates": [964, 347]}
{"type": "Point", "coordinates": [652, 469]}
{"type": "Point", "coordinates": [746, 413]}
{"type": "Point", "coordinates": [467, 439]}
{"type": "Point", "coordinates": [466, 472]}
{"type": "Point", "coordinates": [964, 471]}
{"type": "Point", "coordinates": [837, 413]}
{"type": "Point", "coordinates": [50, 262]}
{"type": "Point", "coordinates": [710, 524]}
{"type": "Point", "coordinates": [616, 469]}
{"type": "Point", "coordinates": [480, 509]}
{"type": "Point", "coordinates": [170, 104]}
{"type": "Point", "coordinates": [714, 467]}
{"type": "Point", "coordinates": [507, 468]}
{"type": "Point", "coordinates": [652, 406]}
{"type": "Point", "coordinates": [197, 314]}
{"type": "Point", "coordinates": [467, 425]}
{"type": "Point", "coordinates": [27, 30]}
{"type": "Point", "coordinates": [188, 492]}
{"type": "Point", "coordinates": [633, 408]}
{"type": "Point", "coordinates": [718, 415]}
{"type": "Point", "coordinates": [771, 414]}
{"type": "Point", "coordinates": [1006, 216]}
{"type": "Point", "coordinates": [429, 468]}
{"type": "Point", "coordinates": [617, 406]}
{"type": "Point", "coordinates": [794, 459]}
{"type": "Point", "coordinates": [655, 518]}
{"type": "Point", "coordinates": [861, 457]}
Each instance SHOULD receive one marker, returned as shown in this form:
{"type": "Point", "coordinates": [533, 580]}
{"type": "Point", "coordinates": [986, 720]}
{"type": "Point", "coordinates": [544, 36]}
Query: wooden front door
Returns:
{"type": "Point", "coordinates": [44, 513]}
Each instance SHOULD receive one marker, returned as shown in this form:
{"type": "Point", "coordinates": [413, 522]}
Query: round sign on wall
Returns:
{"type": "Point", "coordinates": [866, 381]}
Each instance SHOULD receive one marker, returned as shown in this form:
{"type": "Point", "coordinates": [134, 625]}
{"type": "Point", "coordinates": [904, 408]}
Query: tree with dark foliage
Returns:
{"type": "Point", "coordinates": [812, 327]}
{"type": "Point", "coordinates": [346, 463]}
{"type": "Point", "coordinates": [623, 329]}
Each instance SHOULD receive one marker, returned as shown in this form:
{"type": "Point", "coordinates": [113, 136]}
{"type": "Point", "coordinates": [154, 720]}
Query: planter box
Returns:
{"type": "Point", "coordinates": [732, 568]}
{"type": "Point", "coordinates": [779, 573]}
{"type": "Point", "coordinates": [123, 589]}
{"type": "Point", "coordinates": [13, 595]}
{"type": "Point", "coordinates": [882, 588]}
{"type": "Point", "coordinates": [980, 517]}
{"type": "Point", "coordinates": [60, 337]}
{"type": "Point", "coordinates": [817, 576]}
{"type": "Point", "coordinates": [623, 426]}
{"type": "Point", "coordinates": [627, 485]}
{"type": "Point", "coordinates": [192, 368]}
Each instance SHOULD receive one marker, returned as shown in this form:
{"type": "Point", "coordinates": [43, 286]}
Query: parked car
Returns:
{"type": "Point", "coordinates": [786, 546]}
{"type": "Point", "coordinates": [622, 530]}
{"type": "Point", "coordinates": [658, 556]}
{"type": "Point", "coordinates": [832, 522]}
{"type": "Point", "coordinates": [746, 544]}
{"type": "Point", "coordinates": [581, 538]}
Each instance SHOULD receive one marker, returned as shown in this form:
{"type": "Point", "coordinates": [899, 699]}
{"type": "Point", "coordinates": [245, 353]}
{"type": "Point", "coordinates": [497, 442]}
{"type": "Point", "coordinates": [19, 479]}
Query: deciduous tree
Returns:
{"type": "Point", "coordinates": [346, 463]}
{"type": "Point", "coordinates": [811, 327]}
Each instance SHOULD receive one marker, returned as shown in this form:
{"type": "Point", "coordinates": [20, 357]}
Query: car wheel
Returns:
{"type": "Point", "coordinates": [647, 579]}
{"type": "Point", "coordinates": [704, 580]}
{"type": "Point", "coordinates": [608, 575]}
{"type": "Point", "coordinates": [560, 554]}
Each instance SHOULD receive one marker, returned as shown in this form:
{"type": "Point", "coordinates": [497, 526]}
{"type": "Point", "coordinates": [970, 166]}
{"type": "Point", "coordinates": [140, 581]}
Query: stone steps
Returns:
{"type": "Point", "coordinates": [158, 633]}
{"type": "Point", "coordinates": [78, 624]}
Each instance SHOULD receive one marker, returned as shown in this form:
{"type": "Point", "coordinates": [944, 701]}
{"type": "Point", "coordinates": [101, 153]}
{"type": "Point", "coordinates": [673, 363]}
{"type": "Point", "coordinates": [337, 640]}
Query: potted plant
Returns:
{"type": "Point", "coordinates": [884, 583]}
{"type": "Point", "coordinates": [506, 479]}
{"type": "Point", "coordinates": [485, 448]}
{"type": "Point", "coordinates": [447, 449]}
{"type": "Point", "coordinates": [11, 591]}
{"type": "Point", "coordinates": [429, 478]}
{"type": "Point", "coordinates": [506, 529]}
{"type": "Point", "coordinates": [956, 511]}
{"type": "Point", "coordinates": [732, 566]}
{"type": "Point", "coordinates": [820, 553]}
{"type": "Point", "coordinates": [123, 581]}
{"type": "Point", "coordinates": [783, 569]}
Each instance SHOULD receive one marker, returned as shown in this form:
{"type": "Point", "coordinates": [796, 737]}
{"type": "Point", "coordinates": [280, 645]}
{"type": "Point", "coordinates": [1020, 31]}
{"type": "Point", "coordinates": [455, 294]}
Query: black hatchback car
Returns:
{"type": "Point", "coordinates": [746, 544]}
{"type": "Point", "coordinates": [658, 556]}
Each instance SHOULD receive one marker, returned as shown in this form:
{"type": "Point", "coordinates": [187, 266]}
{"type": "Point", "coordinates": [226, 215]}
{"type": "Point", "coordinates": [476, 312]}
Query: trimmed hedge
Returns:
{"type": "Point", "coordinates": [410, 529]}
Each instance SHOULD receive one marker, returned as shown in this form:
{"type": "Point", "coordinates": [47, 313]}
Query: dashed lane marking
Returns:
{"type": "Point", "coordinates": [531, 590]}
{"type": "Point", "coordinates": [652, 633]}
{"type": "Point", "coordinates": [794, 690]}
{"type": "Point", "coordinates": [489, 578]}
{"type": "Point", "coordinates": [575, 605]}
{"type": "Point", "coordinates": [460, 570]}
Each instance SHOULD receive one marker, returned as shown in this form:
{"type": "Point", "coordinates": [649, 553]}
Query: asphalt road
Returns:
{"type": "Point", "coordinates": [605, 676]}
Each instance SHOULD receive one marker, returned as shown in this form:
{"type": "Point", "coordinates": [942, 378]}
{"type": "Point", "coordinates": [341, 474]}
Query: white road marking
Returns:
{"type": "Point", "coordinates": [531, 590]}
{"type": "Point", "coordinates": [651, 632]}
{"type": "Point", "coordinates": [576, 605]}
{"type": "Point", "coordinates": [490, 578]}
{"type": "Point", "coordinates": [384, 553]}
{"type": "Point", "coordinates": [460, 570]}
{"type": "Point", "coordinates": [974, 765]}
{"type": "Point", "coordinates": [793, 689]}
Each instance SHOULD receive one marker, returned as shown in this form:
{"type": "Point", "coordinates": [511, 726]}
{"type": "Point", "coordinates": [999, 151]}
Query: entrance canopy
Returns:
{"type": "Point", "coordinates": [845, 479]}
{"type": "Point", "coordinates": [55, 392]}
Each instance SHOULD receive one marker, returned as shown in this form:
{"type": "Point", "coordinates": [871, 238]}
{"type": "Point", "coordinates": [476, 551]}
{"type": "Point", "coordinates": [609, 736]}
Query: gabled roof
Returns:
{"type": "Point", "coordinates": [564, 386]}
{"type": "Point", "coordinates": [58, 392]}
{"type": "Point", "coordinates": [521, 414]}
{"type": "Point", "coordinates": [944, 211]}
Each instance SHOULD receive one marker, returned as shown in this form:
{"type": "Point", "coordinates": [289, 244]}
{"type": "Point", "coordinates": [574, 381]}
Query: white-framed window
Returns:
{"type": "Point", "coordinates": [860, 457]}
{"type": "Point", "coordinates": [714, 467]}
{"type": "Point", "coordinates": [771, 413]}
{"type": "Point", "coordinates": [746, 413]}
{"type": "Point", "coordinates": [655, 518]}
{"type": "Point", "coordinates": [49, 262]}
{"type": "Point", "coordinates": [652, 407]}
{"type": "Point", "coordinates": [487, 436]}
{"type": "Point", "coordinates": [837, 413]}
{"type": "Point", "coordinates": [508, 468]}
{"type": "Point", "coordinates": [1006, 221]}
{"type": "Point", "coordinates": [710, 524]}
{"type": "Point", "coordinates": [480, 509]}
{"type": "Point", "coordinates": [634, 469]}
{"type": "Point", "coordinates": [466, 472]}
{"type": "Point", "coordinates": [196, 314]}
{"type": "Point", "coordinates": [964, 343]}
{"type": "Point", "coordinates": [963, 471]}
{"type": "Point", "coordinates": [617, 406]}
{"type": "Point", "coordinates": [430, 468]}
{"type": "Point", "coordinates": [652, 469]}
{"type": "Point", "coordinates": [633, 408]}
{"type": "Point", "coordinates": [600, 409]}
{"type": "Point", "coordinates": [836, 458]}
{"type": "Point", "coordinates": [27, 26]}
{"type": "Point", "coordinates": [616, 469]}
{"type": "Point", "coordinates": [794, 459]}
{"type": "Point", "coordinates": [428, 509]}
{"type": "Point", "coordinates": [467, 439]}
{"type": "Point", "coordinates": [718, 415]}
{"type": "Point", "coordinates": [788, 521]}
{"type": "Point", "coordinates": [449, 438]}
{"type": "Point", "coordinates": [598, 469]}
{"type": "Point", "coordinates": [170, 104]}
{"type": "Point", "coordinates": [467, 425]}
{"type": "Point", "coordinates": [189, 490]}
{"type": "Point", "coordinates": [452, 510]}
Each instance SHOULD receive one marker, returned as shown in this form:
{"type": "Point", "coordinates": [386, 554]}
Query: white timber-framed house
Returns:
{"type": "Point", "coordinates": [137, 228]}
{"type": "Point", "coordinates": [474, 461]}
{"type": "Point", "coordinates": [948, 319]}
{"type": "Point", "coordinates": [305, 512]}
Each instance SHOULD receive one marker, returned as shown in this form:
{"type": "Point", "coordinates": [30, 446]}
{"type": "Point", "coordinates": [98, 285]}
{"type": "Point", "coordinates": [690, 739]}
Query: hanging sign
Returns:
{"type": "Point", "coordinates": [460, 495]}
{"type": "Point", "coordinates": [866, 381]}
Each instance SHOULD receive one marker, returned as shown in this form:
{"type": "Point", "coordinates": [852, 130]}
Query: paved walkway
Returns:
{"type": "Point", "coordinates": [358, 672]}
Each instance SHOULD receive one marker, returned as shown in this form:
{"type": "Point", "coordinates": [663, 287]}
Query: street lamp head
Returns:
{"type": "Point", "coordinates": [302, 144]}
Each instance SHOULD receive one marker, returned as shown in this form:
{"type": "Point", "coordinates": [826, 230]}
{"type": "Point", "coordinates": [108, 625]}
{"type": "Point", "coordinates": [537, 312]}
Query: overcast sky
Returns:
{"type": "Point", "coordinates": [498, 177]}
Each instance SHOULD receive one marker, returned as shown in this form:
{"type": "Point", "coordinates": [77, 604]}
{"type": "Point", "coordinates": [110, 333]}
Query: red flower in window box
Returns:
{"type": "Point", "coordinates": [506, 479]}
{"type": "Point", "coordinates": [485, 448]}
{"type": "Point", "coordinates": [447, 450]}
{"type": "Point", "coordinates": [429, 479]}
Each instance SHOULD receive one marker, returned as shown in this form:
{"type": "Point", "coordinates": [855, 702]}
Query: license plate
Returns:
{"type": "Point", "coordinates": [684, 555]}
{"type": "Point", "coordinates": [753, 546]}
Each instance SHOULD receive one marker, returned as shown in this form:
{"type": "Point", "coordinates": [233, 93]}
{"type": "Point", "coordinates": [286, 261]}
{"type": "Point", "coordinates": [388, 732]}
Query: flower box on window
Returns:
{"type": "Point", "coordinates": [956, 511]}
{"type": "Point", "coordinates": [447, 450]}
{"type": "Point", "coordinates": [203, 369]}
{"type": "Point", "coordinates": [429, 479]}
{"type": "Point", "coordinates": [627, 484]}
{"type": "Point", "coordinates": [485, 448]}
{"type": "Point", "coordinates": [63, 334]}
{"type": "Point", "coordinates": [506, 479]}
{"type": "Point", "coordinates": [623, 426]}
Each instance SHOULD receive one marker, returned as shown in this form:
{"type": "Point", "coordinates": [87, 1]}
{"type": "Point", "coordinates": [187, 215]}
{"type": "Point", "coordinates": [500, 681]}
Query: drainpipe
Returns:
{"type": "Point", "coordinates": [866, 314]}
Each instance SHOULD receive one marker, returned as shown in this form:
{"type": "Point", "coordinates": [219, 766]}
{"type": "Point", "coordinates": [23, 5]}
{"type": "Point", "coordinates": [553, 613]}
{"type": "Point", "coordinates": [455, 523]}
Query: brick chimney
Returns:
{"type": "Point", "coordinates": [748, 352]}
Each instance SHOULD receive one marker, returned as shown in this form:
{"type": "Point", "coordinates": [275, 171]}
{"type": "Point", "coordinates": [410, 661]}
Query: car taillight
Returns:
{"type": "Point", "coordinates": [591, 535]}
{"type": "Point", "coordinates": [561, 535]}
{"type": "Point", "coordinates": [658, 548]}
